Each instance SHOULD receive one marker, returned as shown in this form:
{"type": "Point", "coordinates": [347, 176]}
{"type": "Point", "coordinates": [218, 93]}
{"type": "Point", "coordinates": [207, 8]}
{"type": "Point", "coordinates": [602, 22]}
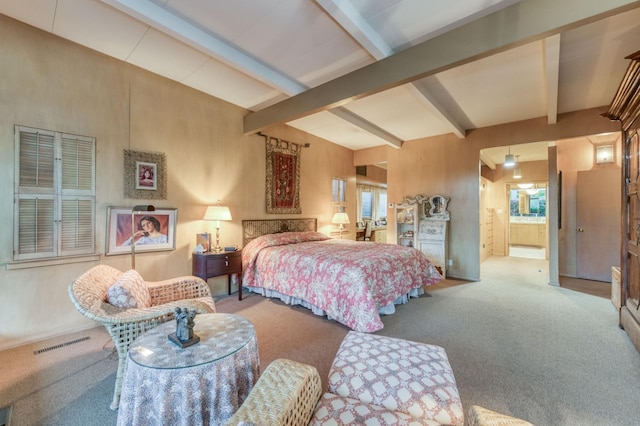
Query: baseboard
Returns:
{"type": "Point", "coordinates": [631, 326]}
{"type": "Point", "coordinates": [458, 277]}
{"type": "Point", "coordinates": [45, 336]}
{"type": "Point", "coordinates": [5, 416]}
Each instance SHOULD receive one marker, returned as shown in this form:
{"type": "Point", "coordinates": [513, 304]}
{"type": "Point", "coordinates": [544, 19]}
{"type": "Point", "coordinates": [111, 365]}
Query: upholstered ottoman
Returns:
{"type": "Point", "coordinates": [334, 410]}
{"type": "Point", "coordinates": [402, 376]}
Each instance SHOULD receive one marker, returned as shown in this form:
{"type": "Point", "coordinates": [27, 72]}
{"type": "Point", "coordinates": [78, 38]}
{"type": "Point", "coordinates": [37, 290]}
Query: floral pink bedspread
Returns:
{"type": "Point", "coordinates": [349, 280]}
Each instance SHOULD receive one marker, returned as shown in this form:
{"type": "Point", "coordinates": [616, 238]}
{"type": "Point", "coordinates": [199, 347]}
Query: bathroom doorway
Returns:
{"type": "Point", "coordinates": [527, 232]}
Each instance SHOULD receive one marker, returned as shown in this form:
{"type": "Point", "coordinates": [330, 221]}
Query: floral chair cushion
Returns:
{"type": "Point", "coordinates": [129, 291]}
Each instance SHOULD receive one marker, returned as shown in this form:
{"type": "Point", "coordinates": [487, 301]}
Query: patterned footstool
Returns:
{"type": "Point", "coordinates": [334, 410]}
{"type": "Point", "coordinates": [399, 375]}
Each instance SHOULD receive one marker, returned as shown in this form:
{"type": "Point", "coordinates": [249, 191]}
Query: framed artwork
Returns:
{"type": "Point", "coordinates": [152, 231]}
{"type": "Point", "coordinates": [145, 175]}
{"type": "Point", "coordinates": [283, 177]}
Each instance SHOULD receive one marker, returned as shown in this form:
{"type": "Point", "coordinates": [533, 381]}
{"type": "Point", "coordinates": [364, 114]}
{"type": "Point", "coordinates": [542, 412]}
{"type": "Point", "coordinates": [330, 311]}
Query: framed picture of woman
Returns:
{"type": "Point", "coordinates": [146, 176]}
{"type": "Point", "coordinates": [151, 231]}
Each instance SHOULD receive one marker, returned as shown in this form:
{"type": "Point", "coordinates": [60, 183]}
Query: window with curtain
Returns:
{"type": "Point", "coordinates": [372, 203]}
{"type": "Point", "coordinates": [54, 194]}
{"type": "Point", "coordinates": [367, 204]}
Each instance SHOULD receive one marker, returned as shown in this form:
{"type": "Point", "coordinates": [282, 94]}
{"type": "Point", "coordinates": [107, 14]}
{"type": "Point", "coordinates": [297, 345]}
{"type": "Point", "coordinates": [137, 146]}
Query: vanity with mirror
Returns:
{"type": "Point", "coordinates": [528, 215]}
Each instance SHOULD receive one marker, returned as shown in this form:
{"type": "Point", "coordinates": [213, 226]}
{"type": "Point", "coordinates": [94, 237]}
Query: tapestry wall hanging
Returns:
{"type": "Point", "coordinates": [283, 177]}
{"type": "Point", "coordinates": [145, 175]}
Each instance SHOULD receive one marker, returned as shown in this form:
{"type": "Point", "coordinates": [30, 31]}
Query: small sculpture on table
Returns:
{"type": "Point", "coordinates": [184, 335]}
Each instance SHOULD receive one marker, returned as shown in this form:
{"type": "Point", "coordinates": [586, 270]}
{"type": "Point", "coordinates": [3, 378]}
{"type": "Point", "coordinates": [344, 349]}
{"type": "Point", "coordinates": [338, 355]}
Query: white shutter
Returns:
{"type": "Point", "coordinates": [54, 194]}
{"type": "Point", "coordinates": [77, 206]}
{"type": "Point", "coordinates": [77, 165]}
{"type": "Point", "coordinates": [35, 161]}
{"type": "Point", "coordinates": [35, 227]}
{"type": "Point", "coordinates": [76, 226]}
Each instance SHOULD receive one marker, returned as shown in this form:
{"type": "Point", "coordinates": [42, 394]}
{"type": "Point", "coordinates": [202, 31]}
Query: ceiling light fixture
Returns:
{"type": "Point", "coordinates": [525, 185]}
{"type": "Point", "coordinates": [509, 159]}
{"type": "Point", "coordinates": [604, 154]}
{"type": "Point", "coordinates": [517, 173]}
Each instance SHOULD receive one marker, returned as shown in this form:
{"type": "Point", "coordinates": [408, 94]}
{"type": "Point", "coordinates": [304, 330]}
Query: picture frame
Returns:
{"type": "Point", "coordinates": [161, 221]}
{"type": "Point", "coordinates": [146, 176]}
{"type": "Point", "coordinates": [139, 186]}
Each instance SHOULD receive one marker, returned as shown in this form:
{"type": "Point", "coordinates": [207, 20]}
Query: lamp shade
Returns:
{"type": "Point", "coordinates": [509, 160]}
{"type": "Point", "coordinates": [517, 173]}
{"type": "Point", "coordinates": [217, 213]}
{"type": "Point", "coordinates": [340, 218]}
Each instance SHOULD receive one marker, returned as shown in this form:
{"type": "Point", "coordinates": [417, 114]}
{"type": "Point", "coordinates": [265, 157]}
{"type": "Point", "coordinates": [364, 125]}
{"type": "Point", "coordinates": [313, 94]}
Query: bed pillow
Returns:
{"type": "Point", "coordinates": [129, 291]}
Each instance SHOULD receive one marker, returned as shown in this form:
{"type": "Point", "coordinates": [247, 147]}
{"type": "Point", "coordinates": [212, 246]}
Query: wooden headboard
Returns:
{"type": "Point", "coordinates": [255, 228]}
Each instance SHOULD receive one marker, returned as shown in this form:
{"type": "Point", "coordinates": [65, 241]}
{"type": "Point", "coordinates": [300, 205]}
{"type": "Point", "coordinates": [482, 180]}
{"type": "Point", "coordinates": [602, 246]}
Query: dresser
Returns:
{"type": "Point", "coordinates": [209, 265]}
{"type": "Point", "coordinates": [432, 241]}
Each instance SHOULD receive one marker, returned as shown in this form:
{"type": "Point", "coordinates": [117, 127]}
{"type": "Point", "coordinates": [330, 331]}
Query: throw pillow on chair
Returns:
{"type": "Point", "coordinates": [129, 291]}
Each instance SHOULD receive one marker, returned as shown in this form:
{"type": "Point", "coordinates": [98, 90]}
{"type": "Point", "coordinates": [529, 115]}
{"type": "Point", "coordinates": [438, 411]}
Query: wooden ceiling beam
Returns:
{"type": "Point", "coordinates": [516, 25]}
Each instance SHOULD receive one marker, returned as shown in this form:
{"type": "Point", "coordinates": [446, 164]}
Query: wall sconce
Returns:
{"type": "Point", "coordinates": [604, 154]}
{"type": "Point", "coordinates": [341, 219]}
{"type": "Point", "coordinates": [217, 213]}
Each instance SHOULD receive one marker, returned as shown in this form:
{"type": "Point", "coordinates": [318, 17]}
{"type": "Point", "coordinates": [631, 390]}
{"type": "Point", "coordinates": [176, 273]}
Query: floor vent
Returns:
{"type": "Point", "coordinates": [5, 416]}
{"type": "Point", "coordinates": [61, 345]}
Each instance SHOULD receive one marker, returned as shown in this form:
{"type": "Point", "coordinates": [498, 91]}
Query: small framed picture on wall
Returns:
{"type": "Point", "coordinates": [146, 176]}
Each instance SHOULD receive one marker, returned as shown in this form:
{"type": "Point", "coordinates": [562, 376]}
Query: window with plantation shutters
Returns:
{"type": "Point", "coordinates": [54, 194]}
{"type": "Point", "coordinates": [339, 195]}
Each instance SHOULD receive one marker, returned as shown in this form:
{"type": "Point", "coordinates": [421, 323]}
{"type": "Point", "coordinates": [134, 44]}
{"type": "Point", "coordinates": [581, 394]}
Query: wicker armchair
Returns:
{"type": "Point", "coordinates": [88, 294]}
{"type": "Point", "coordinates": [286, 394]}
{"type": "Point", "coordinates": [480, 416]}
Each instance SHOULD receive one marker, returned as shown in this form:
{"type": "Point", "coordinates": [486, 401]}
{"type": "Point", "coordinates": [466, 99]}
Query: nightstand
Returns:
{"type": "Point", "coordinates": [209, 265]}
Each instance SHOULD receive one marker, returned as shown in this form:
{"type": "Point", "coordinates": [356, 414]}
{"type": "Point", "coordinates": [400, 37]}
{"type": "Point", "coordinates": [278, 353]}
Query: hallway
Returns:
{"type": "Point", "coordinates": [528, 264]}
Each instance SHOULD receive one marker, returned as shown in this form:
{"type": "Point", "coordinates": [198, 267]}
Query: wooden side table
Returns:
{"type": "Point", "coordinates": [209, 265]}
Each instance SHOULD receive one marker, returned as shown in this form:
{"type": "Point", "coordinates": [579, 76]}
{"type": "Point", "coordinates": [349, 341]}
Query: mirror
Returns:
{"type": "Point", "coordinates": [437, 206]}
{"type": "Point", "coordinates": [531, 202]}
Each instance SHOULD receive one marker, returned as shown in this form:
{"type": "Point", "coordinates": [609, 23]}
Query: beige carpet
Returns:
{"type": "Point", "coordinates": [550, 355]}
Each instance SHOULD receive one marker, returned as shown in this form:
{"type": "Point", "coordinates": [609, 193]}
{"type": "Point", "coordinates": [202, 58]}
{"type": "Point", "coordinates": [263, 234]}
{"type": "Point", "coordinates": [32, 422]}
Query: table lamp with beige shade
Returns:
{"type": "Point", "coordinates": [217, 213]}
{"type": "Point", "coordinates": [341, 219]}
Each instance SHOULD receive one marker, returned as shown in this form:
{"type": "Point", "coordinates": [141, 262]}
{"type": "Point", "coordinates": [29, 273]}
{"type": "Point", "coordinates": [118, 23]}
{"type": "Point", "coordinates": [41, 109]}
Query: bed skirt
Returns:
{"type": "Point", "coordinates": [289, 300]}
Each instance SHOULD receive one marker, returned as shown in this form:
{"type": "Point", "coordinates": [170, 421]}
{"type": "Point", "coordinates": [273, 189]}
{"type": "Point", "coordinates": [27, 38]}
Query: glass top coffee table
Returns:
{"type": "Point", "coordinates": [200, 384]}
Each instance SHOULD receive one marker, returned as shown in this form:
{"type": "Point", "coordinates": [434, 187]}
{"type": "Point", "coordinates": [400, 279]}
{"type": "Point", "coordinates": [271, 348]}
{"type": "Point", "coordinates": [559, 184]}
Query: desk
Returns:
{"type": "Point", "coordinates": [378, 234]}
{"type": "Point", "coordinates": [202, 384]}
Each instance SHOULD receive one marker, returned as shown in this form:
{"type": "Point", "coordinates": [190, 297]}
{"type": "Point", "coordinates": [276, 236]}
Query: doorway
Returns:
{"type": "Point", "coordinates": [515, 205]}
{"type": "Point", "coordinates": [527, 206]}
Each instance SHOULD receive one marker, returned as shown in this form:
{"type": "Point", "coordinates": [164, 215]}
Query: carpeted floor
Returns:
{"type": "Point", "coordinates": [550, 355]}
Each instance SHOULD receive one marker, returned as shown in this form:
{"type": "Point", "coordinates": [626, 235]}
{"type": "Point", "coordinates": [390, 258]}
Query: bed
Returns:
{"type": "Point", "coordinates": [347, 281]}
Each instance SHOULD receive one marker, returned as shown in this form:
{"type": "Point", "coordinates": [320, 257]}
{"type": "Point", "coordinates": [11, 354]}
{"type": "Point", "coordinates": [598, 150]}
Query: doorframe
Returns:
{"type": "Point", "coordinates": [554, 208]}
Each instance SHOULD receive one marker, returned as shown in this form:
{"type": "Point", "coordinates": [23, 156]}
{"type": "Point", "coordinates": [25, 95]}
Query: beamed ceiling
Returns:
{"type": "Point", "coordinates": [365, 73]}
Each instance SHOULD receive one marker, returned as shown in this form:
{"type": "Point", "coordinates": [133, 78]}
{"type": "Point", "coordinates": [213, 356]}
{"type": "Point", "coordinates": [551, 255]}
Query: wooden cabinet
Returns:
{"type": "Point", "coordinates": [406, 224]}
{"type": "Point", "coordinates": [380, 235]}
{"type": "Point", "coordinates": [209, 265]}
{"type": "Point", "coordinates": [432, 241]}
{"type": "Point", "coordinates": [527, 234]}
